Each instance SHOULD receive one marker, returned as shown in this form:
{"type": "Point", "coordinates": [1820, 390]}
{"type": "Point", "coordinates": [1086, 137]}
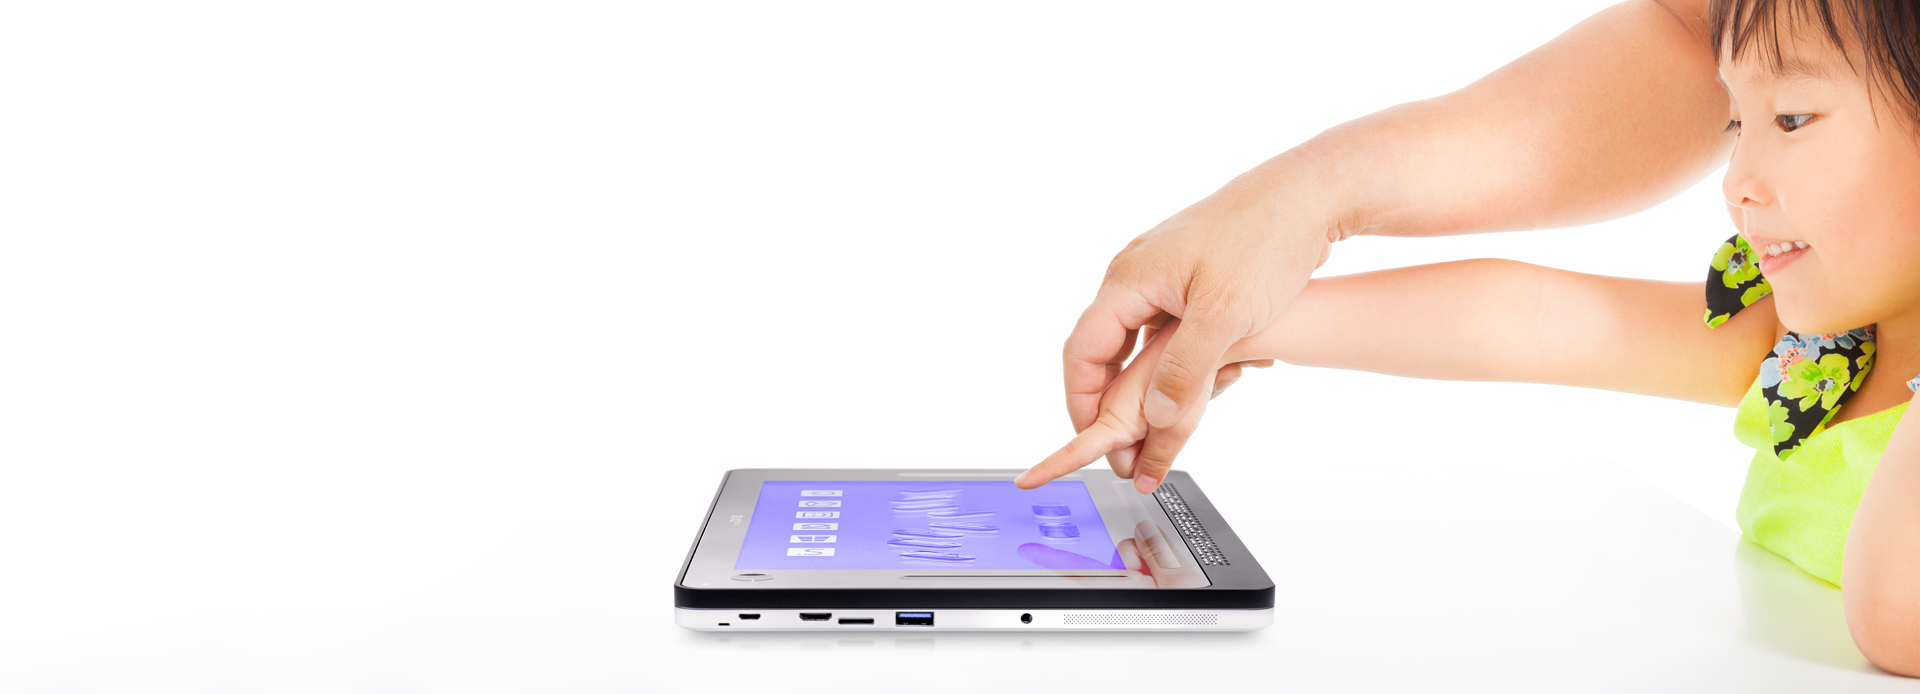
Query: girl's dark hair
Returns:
{"type": "Point", "coordinates": [1888, 32]}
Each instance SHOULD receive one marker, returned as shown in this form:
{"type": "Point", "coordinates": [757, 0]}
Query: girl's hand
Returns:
{"type": "Point", "coordinates": [1882, 555]}
{"type": "Point", "coordinates": [1119, 428]}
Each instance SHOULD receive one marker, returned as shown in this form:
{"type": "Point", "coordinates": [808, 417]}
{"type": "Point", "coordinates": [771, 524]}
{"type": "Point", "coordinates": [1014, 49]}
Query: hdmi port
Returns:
{"type": "Point", "coordinates": [815, 616]}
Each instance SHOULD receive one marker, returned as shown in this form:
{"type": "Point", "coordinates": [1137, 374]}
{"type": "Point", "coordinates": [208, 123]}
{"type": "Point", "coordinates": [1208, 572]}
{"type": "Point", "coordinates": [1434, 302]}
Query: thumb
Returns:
{"type": "Point", "coordinates": [1181, 379]}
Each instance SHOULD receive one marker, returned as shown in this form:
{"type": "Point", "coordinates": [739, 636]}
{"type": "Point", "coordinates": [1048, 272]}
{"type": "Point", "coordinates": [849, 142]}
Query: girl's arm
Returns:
{"type": "Point", "coordinates": [1877, 574]}
{"type": "Point", "coordinates": [1472, 320]}
{"type": "Point", "coordinates": [1500, 320]}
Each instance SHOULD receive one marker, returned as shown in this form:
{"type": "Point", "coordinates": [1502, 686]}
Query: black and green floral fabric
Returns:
{"type": "Point", "coordinates": [1735, 281]}
{"type": "Point", "coordinates": [1806, 378]}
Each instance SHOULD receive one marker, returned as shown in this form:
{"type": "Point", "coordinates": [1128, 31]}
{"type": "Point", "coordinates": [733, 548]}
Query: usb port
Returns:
{"type": "Point", "coordinates": [749, 616]}
{"type": "Point", "coordinates": [913, 619]}
{"type": "Point", "coordinates": [851, 620]}
{"type": "Point", "coordinates": [815, 616]}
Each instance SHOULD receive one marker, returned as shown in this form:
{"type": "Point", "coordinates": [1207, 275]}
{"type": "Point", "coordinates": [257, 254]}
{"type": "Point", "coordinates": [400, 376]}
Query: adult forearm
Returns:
{"type": "Point", "coordinates": [1613, 116]}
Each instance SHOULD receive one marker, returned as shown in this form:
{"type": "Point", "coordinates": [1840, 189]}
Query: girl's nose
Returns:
{"type": "Point", "coordinates": [1744, 186]}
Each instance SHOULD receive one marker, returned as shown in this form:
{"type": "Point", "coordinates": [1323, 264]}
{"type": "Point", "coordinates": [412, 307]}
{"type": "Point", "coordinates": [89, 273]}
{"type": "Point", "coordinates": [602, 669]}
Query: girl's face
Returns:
{"type": "Point", "coordinates": [1828, 197]}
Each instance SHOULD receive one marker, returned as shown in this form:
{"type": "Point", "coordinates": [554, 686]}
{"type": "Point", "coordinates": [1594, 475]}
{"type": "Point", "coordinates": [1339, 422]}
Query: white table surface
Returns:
{"type": "Point", "coordinates": [1500, 574]}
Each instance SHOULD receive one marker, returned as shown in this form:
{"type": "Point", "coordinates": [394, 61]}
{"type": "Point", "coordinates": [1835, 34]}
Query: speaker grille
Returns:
{"type": "Point", "coordinates": [1142, 619]}
{"type": "Point", "coordinates": [1189, 526]}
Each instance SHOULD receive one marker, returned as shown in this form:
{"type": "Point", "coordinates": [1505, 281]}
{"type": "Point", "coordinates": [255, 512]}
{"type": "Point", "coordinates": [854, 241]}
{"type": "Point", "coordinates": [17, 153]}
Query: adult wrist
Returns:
{"type": "Point", "coordinates": [1353, 172]}
{"type": "Point", "coordinates": [1305, 191]}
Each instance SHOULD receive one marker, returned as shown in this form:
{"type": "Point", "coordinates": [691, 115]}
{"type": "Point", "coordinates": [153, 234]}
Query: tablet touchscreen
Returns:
{"type": "Point", "coordinates": [775, 529]}
{"type": "Point", "coordinates": [908, 525]}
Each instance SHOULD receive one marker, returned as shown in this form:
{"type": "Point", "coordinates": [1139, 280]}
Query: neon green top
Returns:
{"type": "Point", "coordinates": [1802, 509]}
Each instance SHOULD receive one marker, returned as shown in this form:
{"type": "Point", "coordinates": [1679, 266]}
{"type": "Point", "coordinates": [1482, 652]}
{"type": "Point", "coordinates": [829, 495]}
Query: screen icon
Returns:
{"type": "Point", "coordinates": [952, 513]}
{"type": "Point", "coordinates": [817, 514]}
{"type": "Point", "coordinates": [933, 556]}
{"type": "Point", "coordinates": [809, 551]}
{"type": "Point", "coordinates": [819, 492]}
{"type": "Point", "coordinates": [1051, 511]}
{"type": "Point", "coordinates": [1059, 531]}
{"type": "Point", "coordinates": [922, 504]}
{"type": "Point", "coordinates": [815, 539]}
{"type": "Point", "coordinates": [912, 543]}
{"type": "Point", "coordinates": [820, 503]}
{"type": "Point", "coordinates": [816, 526]}
{"type": "Point", "coordinates": [928, 534]}
{"type": "Point", "coordinates": [966, 527]}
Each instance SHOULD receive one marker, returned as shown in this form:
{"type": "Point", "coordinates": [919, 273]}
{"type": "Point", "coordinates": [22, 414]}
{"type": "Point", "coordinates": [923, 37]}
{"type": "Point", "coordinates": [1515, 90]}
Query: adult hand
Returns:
{"type": "Point", "coordinates": [1227, 267]}
{"type": "Point", "coordinates": [1227, 375]}
{"type": "Point", "coordinates": [1120, 426]}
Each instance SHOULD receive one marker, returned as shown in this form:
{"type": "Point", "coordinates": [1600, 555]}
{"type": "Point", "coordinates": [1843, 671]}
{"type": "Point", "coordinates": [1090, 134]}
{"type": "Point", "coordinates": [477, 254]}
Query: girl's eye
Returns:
{"type": "Point", "coordinates": [1788, 123]}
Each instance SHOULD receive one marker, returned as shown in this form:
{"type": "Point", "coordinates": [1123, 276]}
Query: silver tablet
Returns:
{"type": "Point", "coordinates": [965, 550]}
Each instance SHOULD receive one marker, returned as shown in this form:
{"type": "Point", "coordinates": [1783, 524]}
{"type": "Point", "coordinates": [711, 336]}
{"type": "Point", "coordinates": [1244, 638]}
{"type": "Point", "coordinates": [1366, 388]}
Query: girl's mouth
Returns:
{"type": "Point", "coordinates": [1775, 256]}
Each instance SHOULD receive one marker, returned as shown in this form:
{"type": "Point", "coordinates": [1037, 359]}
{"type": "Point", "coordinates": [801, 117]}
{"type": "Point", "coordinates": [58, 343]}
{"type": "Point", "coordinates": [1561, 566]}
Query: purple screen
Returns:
{"type": "Point", "coordinates": [920, 525]}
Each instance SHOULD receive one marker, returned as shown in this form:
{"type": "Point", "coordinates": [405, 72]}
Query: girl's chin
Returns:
{"type": "Point", "coordinates": [1811, 320]}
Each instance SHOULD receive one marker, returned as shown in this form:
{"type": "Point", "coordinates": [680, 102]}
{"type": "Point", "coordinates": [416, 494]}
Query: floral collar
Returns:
{"type": "Point", "coordinates": [1806, 378]}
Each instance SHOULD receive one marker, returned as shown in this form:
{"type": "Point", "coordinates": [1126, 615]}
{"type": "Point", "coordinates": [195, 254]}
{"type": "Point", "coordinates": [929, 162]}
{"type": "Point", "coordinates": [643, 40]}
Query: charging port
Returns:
{"type": "Point", "coordinates": [749, 616]}
{"type": "Point", "coordinates": [913, 619]}
{"type": "Point", "coordinates": [815, 616]}
{"type": "Point", "coordinates": [851, 620]}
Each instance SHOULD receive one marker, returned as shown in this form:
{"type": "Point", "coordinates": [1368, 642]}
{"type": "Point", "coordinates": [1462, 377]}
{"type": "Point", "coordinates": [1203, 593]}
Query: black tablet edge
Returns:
{"type": "Point", "coordinates": [1240, 570]}
{"type": "Point", "coordinates": [1244, 588]}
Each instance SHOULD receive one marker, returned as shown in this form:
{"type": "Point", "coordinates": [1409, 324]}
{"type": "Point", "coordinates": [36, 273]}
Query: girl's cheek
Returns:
{"type": "Point", "coordinates": [1850, 284]}
{"type": "Point", "coordinates": [1889, 283]}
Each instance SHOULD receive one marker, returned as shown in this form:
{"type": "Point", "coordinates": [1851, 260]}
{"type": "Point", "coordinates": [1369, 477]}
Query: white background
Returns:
{"type": "Point", "coordinates": [304, 311]}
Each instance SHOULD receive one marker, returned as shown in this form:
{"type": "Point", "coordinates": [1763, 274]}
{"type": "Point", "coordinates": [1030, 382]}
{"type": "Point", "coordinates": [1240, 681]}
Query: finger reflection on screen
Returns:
{"type": "Point", "coordinates": [1053, 558]}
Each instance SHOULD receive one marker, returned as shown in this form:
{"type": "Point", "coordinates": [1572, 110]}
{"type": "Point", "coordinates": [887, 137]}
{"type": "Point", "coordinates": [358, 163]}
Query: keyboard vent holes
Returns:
{"type": "Point", "coordinates": [1142, 619]}
{"type": "Point", "coordinates": [1188, 524]}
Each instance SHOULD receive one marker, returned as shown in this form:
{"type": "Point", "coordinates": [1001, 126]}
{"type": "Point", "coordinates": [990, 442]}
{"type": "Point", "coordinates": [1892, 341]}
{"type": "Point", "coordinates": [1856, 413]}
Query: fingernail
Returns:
{"type": "Point", "coordinates": [1021, 481]}
{"type": "Point", "coordinates": [1160, 409]}
{"type": "Point", "coordinates": [1221, 387]}
{"type": "Point", "coordinates": [1146, 532]}
{"type": "Point", "coordinates": [1145, 484]}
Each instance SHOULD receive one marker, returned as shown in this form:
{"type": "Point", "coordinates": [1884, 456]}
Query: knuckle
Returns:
{"type": "Point", "coordinates": [1170, 440]}
{"type": "Point", "coordinates": [1153, 464]}
{"type": "Point", "coordinates": [1117, 424]}
{"type": "Point", "coordinates": [1123, 262]}
{"type": "Point", "coordinates": [1205, 296]}
{"type": "Point", "coordinates": [1176, 369]}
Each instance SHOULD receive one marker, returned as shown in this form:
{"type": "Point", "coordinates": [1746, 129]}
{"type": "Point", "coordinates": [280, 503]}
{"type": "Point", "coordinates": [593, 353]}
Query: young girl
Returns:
{"type": "Point", "coordinates": [1809, 321]}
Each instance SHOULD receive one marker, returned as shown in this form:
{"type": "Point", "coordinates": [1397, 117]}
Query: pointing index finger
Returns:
{"type": "Point", "coordinates": [1096, 440]}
